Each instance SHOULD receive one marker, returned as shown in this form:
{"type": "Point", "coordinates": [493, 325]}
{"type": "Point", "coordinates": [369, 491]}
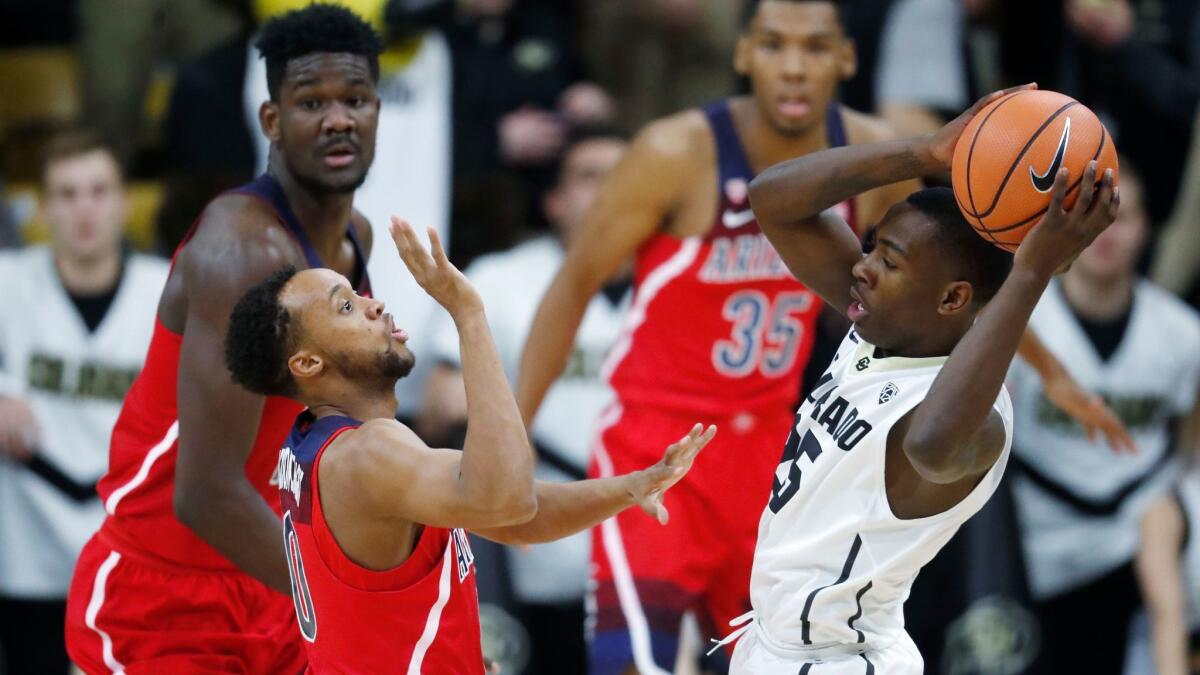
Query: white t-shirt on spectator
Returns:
{"type": "Point", "coordinates": [75, 381]}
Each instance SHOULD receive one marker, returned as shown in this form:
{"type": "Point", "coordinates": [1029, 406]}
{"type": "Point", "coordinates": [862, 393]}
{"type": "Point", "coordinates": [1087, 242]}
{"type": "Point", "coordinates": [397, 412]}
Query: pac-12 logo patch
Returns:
{"type": "Point", "coordinates": [888, 392]}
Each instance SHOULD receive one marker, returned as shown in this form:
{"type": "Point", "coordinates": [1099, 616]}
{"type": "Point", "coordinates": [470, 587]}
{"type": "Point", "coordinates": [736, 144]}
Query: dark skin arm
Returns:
{"type": "Point", "coordinates": [789, 200]}
{"type": "Point", "coordinates": [218, 420]}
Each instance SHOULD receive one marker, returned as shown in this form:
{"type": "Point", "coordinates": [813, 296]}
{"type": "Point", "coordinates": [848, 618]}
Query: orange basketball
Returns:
{"type": "Point", "coordinates": [1007, 157]}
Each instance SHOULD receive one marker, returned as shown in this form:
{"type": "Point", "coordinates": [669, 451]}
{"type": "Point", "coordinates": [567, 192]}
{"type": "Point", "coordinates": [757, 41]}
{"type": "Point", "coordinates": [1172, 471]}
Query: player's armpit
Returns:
{"type": "Point", "coordinates": [394, 475]}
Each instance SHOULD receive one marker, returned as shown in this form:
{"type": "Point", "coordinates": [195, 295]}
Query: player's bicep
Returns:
{"type": "Point", "coordinates": [399, 477]}
{"type": "Point", "coordinates": [820, 255]}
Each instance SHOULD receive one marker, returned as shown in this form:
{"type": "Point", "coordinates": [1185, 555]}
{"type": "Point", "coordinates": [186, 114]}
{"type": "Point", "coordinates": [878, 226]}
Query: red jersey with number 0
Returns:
{"type": "Point", "coordinates": [419, 617]}
{"type": "Point", "coordinates": [718, 324]}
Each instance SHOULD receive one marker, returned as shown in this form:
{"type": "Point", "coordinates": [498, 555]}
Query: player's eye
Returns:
{"type": "Point", "coordinates": [310, 104]}
{"type": "Point", "coordinates": [888, 263]}
{"type": "Point", "coordinates": [355, 101]}
{"type": "Point", "coordinates": [346, 306]}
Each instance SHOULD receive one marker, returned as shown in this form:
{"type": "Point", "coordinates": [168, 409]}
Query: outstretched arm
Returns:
{"type": "Point", "coordinates": [567, 508]}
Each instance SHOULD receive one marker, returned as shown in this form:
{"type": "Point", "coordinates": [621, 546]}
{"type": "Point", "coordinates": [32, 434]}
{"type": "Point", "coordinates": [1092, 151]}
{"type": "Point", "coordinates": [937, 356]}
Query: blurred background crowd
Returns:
{"type": "Point", "coordinates": [120, 119]}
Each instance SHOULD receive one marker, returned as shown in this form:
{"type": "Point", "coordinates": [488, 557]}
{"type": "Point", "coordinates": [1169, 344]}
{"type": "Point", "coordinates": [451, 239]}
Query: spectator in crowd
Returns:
{"type": "Point", "coordinates": [548, 579]}
{"type": "Point", "coordinates": [119, 50]}
{"type": "Point", "coordinates": [75, 321]}
{"type": "Point", "coordinates": [1138, 61]}
{"type": "Point", "coordinates": [8, 228]}
{"type": "Point", "coordinates": [1079, 505]}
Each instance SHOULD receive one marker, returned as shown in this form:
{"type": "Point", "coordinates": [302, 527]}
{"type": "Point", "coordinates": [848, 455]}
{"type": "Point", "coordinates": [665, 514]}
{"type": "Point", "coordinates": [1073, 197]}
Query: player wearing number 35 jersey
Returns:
{"type": "Point", "coordinates": [908, 432]}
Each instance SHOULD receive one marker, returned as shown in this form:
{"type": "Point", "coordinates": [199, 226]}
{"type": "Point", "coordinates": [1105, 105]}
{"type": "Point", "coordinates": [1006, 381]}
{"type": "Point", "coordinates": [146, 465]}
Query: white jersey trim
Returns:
{"type": "Point", "coordinates": [435, 614]}
{"type": "Point", "coordinates": [93, 609]}
{"type": "Point", "coordinates": [614, 549]}
{"type": "Point", "coordinates": [655, 281]}
{"type": "Point", "coordinates": [110, 505]}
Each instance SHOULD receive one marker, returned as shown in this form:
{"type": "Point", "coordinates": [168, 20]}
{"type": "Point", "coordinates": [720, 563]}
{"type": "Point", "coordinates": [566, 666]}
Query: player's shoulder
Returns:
{"type": "Point", "coordinates": [239, 238]}
{"type": "Point", "coordinates": [360, 452]}
{"type": "Point", "coordinates": [1171, 313]}
{"type": "Point", "coordinates": [864, 128]}
{"type": "Point", "coordinates": [681, 137]}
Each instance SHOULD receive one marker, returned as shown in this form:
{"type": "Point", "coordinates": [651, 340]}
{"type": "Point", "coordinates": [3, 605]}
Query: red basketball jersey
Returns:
{"type": "Point", "coordinates": [419, 617]}
{"type": "Point", "coordinates": [138, 490]}
{"type": "Point", "coordinates": [718, 323]}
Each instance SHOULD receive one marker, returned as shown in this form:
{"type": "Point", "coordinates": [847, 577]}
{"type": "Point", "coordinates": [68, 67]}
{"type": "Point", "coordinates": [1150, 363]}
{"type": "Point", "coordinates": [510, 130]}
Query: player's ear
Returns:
{"type": "Point", "coordinates": [305, 364]}
{"type": "Point", "coordinates": [848, 58]}
{"type": "Point", "coordinates": [741, 54]}
{"type": "Point", "coordinates": [268, 120]}
{"type": "Point", "coordinates": [956, 297]}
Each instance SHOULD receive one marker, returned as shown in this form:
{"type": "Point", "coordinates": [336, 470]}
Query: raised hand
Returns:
{"type": "Point", "coordinates": [1061, 235]}
{"type": "Point", "coordinates": [648, 485]}
{"type": "Point", "coordinates": [432, 270]}
{"type": "Point", "coordinates": [941, 143]}
{"type": "Point", "coordinates": [1089, 410]}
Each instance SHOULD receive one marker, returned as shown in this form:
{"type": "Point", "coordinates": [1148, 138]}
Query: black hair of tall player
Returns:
{"type": "Point", "coordinates": [260, 337]}
{"type": "Point", "coordinates": [317, 29]}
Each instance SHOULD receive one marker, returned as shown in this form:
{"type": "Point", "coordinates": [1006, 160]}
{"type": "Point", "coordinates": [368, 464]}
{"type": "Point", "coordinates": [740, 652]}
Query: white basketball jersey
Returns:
{"type": "Point", "coordinates": [833, 564]}
{"type": "Point", "coordinates": [1079, 503]}
{"type": "Point", "coordinates": [74, 381]}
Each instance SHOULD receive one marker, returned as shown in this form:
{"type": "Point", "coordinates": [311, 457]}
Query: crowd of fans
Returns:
{"type": "Point", "coordinates": [499, 121]}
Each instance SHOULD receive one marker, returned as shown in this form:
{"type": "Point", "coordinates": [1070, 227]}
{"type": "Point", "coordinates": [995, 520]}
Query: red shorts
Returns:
{"type": "Point", "coordinates": [128, 614]}
{"type": "Point", "coordinates": [646, 576]}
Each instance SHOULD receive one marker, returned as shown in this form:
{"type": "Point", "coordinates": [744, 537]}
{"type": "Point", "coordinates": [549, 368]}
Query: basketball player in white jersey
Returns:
{"type": "Point", "coordinates": [908, 431]}
{"type": "Point", "coordinates": [76, 317]}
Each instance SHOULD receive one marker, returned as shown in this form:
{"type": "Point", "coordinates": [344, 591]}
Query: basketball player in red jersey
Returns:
{"type": "Point", "coordinates": [186, 575]}
{"type": "Point", "coordinates": [718, 327]}
{"type": "Point", "coordinates": [382, 575]}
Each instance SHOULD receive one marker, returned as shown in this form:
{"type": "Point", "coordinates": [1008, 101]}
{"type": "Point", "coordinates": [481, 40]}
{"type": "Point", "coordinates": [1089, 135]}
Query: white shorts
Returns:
{"type": "Point", "coordinates": [753, 657]}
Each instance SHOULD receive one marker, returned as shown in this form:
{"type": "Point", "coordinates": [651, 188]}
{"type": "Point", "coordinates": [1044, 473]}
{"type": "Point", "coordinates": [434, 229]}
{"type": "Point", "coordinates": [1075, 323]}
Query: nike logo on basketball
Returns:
{"type": "Point", "coordinates": [735, 219]}
{"type": "Point", "coordinates": [1045, 182]}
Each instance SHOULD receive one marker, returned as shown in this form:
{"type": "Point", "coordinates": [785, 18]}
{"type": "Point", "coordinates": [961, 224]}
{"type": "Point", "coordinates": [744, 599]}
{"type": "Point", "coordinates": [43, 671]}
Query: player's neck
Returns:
{"type": "Point", "coordinates": [764, 145]}
{"type": "Point", "coordinates": [88, 276]}
{"type": "Point", "coordinates": [1098, 299]}
{"type": "Point", "coordinates": [359, 404]}
{"type": "Point", "coordinates": [323, 216]}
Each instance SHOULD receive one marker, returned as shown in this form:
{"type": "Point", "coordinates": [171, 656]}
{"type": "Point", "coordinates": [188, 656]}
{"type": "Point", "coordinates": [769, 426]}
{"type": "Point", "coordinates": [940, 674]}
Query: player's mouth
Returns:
{"type": "Point", "coordinates": [340, 155]}
{"type": "Point", "coordinates": [794, 107]}
{"type": "Point", "coordinates": [856, 311]}
{"type": "Point", "coordinates": [398, 334]}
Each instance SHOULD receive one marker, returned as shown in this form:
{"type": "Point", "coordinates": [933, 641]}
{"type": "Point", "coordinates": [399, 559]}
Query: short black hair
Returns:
{"type": "Point", "coordinates": [983, 264]}
{"type": "Point", "coordinates": [317, 29]}
{"type": "Point", "coordinates": [751, 9]}
{"type": "Point", "coordinates": [260, 338]}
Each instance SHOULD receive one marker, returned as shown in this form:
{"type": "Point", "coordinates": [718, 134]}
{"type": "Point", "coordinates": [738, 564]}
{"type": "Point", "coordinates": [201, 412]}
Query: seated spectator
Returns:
{"type": "Point", "coordinates": [1079, 505]}
{"type": "Point", "coordinates": [548, 579]}
{"type": "Point", "coordinates": [75, 321]}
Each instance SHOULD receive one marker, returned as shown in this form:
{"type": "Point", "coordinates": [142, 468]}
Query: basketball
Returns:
{"type": "Point", "coordinates": [1006, 160]}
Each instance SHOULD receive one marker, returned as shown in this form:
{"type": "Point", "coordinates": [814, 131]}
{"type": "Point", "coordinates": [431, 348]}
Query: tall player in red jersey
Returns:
{"type": "Point", "coordinates": [187, 574]}
{"type": "Point", "coordinates": [382, 574]}
{"type": "Point", "coordinates": [718, 327]}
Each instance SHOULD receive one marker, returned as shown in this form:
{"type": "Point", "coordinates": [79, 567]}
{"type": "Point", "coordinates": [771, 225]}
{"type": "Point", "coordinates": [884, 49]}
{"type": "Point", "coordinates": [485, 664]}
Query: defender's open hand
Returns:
{"type": "Point", "coordinates": [432, 270]}
{"type": "Point", "coordinates": [648, 485]}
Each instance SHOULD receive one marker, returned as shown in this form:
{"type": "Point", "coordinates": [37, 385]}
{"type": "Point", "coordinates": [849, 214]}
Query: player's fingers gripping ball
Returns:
{"type": "Point", "coordinates": [1007, 158]}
